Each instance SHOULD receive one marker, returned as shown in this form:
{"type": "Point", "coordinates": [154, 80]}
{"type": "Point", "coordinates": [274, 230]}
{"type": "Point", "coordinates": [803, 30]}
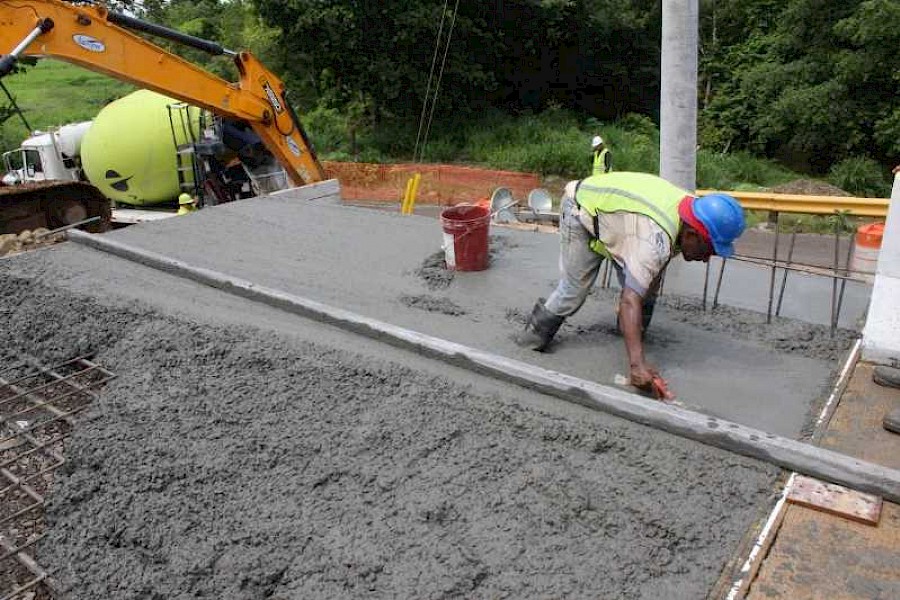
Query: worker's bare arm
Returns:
{"type": "Point", "coordinates": [630, 322]}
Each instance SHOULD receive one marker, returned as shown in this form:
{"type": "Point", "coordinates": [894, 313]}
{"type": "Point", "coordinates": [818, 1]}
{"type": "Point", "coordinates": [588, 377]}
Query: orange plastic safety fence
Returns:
{"type": "Point", "coordinates": [442, 185]}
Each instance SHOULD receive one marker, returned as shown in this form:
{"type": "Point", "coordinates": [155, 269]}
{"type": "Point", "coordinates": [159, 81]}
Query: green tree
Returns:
{"type": "Point", "coordinates": [598, 55]}
{"type": "Point", "coordinates": [232, 23]}
{"type": "Point", "coordinates": [811, 82]}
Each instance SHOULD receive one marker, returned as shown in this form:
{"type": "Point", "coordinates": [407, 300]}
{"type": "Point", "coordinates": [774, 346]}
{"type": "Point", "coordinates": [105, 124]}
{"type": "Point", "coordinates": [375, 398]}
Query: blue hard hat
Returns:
{"type": "Point", "coordinates": [723, 218]}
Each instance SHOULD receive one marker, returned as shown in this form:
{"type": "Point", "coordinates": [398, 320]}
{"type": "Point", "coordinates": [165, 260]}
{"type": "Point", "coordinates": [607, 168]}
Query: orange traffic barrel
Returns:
{"type": "Point", "coordinates": [866, 247]}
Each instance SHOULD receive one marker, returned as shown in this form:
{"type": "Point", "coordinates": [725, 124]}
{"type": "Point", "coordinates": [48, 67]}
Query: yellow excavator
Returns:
{"type": "Point", "coordinates": [109, 42]}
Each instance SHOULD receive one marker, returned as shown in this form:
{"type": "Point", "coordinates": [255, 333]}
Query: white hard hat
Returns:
{"type": "Point", "coordinates": [597, 141]}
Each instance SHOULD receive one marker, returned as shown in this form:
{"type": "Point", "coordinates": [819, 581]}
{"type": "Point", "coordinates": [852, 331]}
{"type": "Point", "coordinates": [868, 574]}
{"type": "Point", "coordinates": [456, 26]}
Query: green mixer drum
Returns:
{"type": "Point", "coordinates": [129, 151]}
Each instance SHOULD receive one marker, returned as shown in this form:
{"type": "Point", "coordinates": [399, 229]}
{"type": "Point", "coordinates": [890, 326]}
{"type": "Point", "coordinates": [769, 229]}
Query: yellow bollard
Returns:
{"type": "Point", "coordinates": [406, 195]}
{"type": "Point", "coordinates": [413, 192]}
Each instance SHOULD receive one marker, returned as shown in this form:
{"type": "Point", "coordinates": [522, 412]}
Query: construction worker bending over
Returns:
{"type": "Point", "coordinates": [639, 221]}
{"type": "Point", "coordinates": [602, 159]}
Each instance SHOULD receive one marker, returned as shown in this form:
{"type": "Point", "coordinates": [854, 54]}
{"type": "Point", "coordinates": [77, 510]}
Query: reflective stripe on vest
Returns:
{"type": "Point", "coordinates": [639, 193]}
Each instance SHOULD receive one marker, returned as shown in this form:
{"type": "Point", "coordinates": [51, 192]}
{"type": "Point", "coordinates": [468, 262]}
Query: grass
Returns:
{"type": "Point", "coordinates": [55, 93]}
{"type": "Point", "coordinates": [553, 143]}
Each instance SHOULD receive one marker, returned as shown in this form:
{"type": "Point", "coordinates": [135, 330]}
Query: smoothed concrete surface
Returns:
{"type": "Point", "coordinates": [386, 266]}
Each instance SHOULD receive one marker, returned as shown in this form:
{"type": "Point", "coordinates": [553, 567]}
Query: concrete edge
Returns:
{"type": "Point", "coordinates": [783, 452]}
{"type": "Point", "coordinates": [329, 189]}
{"type": "Point", "coordinates": [881, 333]}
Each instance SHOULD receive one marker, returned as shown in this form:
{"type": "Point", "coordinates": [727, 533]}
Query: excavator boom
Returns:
{"type": "Point", "coordinates": [98, 39]}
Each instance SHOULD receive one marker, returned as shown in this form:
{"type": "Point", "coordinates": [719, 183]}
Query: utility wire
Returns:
{"type": "Point", "coordinates": [437, 85]}
{"type": "Point", "coordinates": [437, 45]}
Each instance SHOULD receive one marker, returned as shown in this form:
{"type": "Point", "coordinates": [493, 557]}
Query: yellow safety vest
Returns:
{"type": "Point", "coordinates": [640, 193]}
{"type": "Point", "coordinates": [602, 162]}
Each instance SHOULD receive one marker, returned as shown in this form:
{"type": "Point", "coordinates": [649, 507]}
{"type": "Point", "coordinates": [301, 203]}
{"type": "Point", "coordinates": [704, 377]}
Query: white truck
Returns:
{"type": "Point", "coordinates": [47, 155]}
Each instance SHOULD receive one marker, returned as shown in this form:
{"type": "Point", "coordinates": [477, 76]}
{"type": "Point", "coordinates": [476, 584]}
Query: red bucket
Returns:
{"type": "Point", "coordinates": [466, 237]}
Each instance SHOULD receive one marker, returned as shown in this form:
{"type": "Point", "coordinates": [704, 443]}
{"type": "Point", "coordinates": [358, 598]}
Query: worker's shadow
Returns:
{"type": "Point", "coordinates": [604, 331]}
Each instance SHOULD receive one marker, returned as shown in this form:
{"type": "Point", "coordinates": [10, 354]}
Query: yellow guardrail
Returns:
{"type": "Point", "coordinates": [814, 205]}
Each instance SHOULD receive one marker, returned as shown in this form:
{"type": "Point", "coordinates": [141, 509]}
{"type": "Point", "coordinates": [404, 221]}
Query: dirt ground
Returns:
{"type": "Point", "coordinates": [229, 461]}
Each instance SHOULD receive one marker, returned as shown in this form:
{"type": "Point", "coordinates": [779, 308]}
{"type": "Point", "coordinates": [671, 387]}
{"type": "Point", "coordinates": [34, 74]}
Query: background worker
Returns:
{"type": "Point", "coordinates": [639, 221]}
{"type": "Point", "coordinates": [186, 204]}
{"type": "Point", "coordinates": [602, 159]}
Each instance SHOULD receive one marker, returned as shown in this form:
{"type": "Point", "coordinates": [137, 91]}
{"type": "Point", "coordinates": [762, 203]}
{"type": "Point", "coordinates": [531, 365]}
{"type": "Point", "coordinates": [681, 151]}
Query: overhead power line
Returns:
{"type": "Point", "coordinates": [430, 101]}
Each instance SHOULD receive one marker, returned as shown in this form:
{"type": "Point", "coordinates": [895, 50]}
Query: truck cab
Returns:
{"type": "Point", "coordinates": [47, 155]}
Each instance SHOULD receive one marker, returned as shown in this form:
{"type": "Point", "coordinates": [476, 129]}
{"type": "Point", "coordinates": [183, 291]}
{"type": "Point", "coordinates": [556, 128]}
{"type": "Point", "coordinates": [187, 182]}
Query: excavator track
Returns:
{"type": "Point", "coordinates": [52, 204]}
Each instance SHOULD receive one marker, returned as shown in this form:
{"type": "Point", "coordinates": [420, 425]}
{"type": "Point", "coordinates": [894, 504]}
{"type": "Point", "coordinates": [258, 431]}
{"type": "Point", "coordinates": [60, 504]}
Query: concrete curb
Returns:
{"type": "Point", "coordinates": [783, 452]}
{"type": "Point", "coordinates": [881, 334]}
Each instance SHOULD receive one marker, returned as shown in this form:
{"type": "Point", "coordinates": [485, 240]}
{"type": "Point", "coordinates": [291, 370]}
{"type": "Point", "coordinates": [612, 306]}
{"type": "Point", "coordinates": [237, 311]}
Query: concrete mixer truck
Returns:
{"type": "Point", "coordinates": [224, 140]}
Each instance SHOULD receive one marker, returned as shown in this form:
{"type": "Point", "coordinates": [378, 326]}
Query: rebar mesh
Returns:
{"type": "Point", "coordinates": [37, 406]}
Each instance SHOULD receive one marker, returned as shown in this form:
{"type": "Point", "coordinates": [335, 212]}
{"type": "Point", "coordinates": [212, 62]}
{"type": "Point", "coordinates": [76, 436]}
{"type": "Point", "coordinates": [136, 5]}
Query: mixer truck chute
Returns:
{"type": "Point", "coordinates": [252, 122]}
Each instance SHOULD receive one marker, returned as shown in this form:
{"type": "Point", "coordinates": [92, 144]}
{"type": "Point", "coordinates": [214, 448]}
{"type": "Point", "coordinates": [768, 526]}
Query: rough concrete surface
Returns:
{"type": "Point", "coordinates": [373, 263]}
{"type": "Point", "coordinates": [245, 453]}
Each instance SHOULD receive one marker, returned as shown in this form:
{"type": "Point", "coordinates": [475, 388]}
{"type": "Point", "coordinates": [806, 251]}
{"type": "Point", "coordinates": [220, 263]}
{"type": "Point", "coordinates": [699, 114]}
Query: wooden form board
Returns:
{"type": "Point", "coordinates": [835, 499]}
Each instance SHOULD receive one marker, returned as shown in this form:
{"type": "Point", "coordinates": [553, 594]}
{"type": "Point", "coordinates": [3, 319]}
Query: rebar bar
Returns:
{"type": "Point", "coordinates": [786, 271]}
{"type": "Point", "coordinates": [705, 285]}
{"type": "Point", "coordinates": [834, 281]}
{"type": "Point", "coordinates": [30, 451]}
{"type": "Point", "coordinates": [719, 283]}
{"type": "Point", "coordinates": [774, 270]}
{"type": "Point", "coordinates": [844, 280]}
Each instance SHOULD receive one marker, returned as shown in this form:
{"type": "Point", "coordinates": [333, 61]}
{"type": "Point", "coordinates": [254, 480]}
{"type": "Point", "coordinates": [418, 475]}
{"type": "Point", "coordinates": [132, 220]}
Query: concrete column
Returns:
{"type": "Point", "coordinates": [881, 335]}
{"type": "Point", "coordinates": [678, 98]}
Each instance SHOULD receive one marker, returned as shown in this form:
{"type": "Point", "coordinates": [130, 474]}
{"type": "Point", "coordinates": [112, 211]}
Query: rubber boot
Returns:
{"type": "Point", "coordinates": [887, 376]}
{"type": "Point", "coordinates": [542, 325]}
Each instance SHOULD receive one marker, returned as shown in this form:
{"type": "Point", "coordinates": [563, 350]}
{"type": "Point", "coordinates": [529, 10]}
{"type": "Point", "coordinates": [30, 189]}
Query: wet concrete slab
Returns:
{"type": "Point", "coordinates": [387, 266]}
{"type": "Point", "coordinates": [243, 452]}
{"type": "Point", "coordinates": [807, 296]}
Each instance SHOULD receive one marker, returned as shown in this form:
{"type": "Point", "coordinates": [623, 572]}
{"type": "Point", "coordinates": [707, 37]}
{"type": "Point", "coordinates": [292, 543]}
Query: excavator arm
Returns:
{"type": "Point", "coordinates": [98, 39]}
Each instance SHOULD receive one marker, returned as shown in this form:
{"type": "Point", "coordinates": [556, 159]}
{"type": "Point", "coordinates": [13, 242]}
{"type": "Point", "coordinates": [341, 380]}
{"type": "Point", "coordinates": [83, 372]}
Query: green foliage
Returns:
{"type": "Point", "coordinates": [552, 143]}
{"type": "Point", "coordinates": [812, 83]}
{"type": "Point", "coordinates": [55, 93]}
{"type": "Point", "coordinates": [860, 176]}
{"type": "Point", "coordinates": [640, 125]}
{"type": "Point", "coordinates": [789, 223]}
{"type": "Point", "coordinates": [233, 23]}
{"type": "Point", "coordinates": [738, 170]}
{"type": "Point", "coordinates": [809, 81]}
{"type": "Point", "coordinates": [340, 135]}
{"type": "Point", "coordinates": [512, 55]}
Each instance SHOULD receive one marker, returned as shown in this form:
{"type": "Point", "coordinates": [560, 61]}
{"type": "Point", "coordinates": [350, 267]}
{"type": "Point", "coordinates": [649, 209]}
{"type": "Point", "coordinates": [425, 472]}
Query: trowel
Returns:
{"type": "Point", "coordinates": [659, 389]}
